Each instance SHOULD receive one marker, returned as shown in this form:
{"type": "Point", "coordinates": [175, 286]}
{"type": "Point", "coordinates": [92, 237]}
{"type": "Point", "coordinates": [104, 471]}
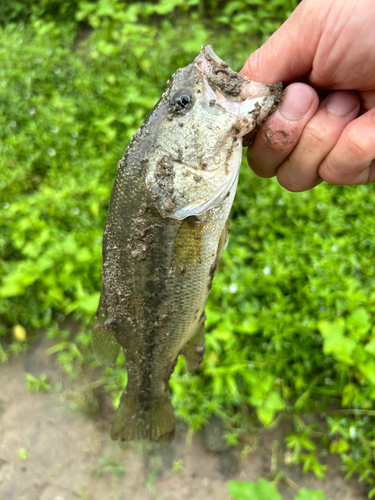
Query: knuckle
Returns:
{"type": "Point", "coordinates": [328, 172]}
{"type": "Point", "coordinates": [313, 138]}
{"type": "Point", "coordinates": [356, 144]}
{"type": "Point", "coordinates": [289, 182]}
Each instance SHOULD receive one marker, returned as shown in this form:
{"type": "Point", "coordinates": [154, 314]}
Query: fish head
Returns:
{"type": "Point", "coordinates": [197, 149]}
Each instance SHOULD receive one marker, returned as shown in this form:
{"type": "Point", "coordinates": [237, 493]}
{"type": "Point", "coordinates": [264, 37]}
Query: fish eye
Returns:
{"type": "Point", "coordinates": [181, 100]}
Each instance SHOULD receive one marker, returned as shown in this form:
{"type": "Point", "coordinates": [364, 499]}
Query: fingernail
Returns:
{"type": "Point", "coordinates": [297, 101]}
{"type": "Point", "coordinates": [341, 103]}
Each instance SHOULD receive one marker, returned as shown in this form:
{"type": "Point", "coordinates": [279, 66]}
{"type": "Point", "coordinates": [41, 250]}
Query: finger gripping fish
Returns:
{"type": "Point", "coordinates": [165, 230]}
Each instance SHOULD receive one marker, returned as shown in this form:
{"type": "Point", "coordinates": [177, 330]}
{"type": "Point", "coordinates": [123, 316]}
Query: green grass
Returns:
{"type": "Point", "coordinates": [290, 315]}
{"type": "Point", "coordinates": [263, 490]}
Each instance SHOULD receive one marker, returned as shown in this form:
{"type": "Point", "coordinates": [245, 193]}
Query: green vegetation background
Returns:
{"type": "Point", "coordinates": [291, 312]}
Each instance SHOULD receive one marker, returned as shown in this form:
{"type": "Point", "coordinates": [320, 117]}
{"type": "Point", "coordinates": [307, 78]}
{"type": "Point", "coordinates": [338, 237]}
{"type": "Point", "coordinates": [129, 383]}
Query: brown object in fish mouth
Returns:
{"type": "Point", "coordinates": [166, 227]}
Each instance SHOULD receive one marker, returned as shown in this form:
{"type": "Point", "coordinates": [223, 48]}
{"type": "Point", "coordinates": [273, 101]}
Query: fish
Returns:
{"type": "Point", "coordinates": [166, 227]}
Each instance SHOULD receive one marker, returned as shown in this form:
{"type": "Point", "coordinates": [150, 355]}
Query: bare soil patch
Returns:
{"type": "Point", "coordinates": [49, 451]}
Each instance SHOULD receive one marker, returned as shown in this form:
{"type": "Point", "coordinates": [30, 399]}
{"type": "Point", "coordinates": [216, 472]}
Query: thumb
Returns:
{"type": "Point", "coordinates": [289, 53]}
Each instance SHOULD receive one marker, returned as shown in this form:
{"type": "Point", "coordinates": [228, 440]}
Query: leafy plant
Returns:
{"type": "Point", "coordinates": [178, 466]}
{"type": "Point", "coordinates": [23, 454]}
{"type": "Point", "coordinates": [109, 466]}
{"type": "Point", "coordinates": [290, 317]}
{"type": "Point", "coordinates": [35, 384]}
{"type": "Point", "coordinates": [264, 490]}
{"type": "Point", "coordinates": [304, 494]}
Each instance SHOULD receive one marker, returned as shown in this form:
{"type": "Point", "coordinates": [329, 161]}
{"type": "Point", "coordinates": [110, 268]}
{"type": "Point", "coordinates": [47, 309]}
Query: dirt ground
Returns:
{"type": "Point", "coordinates": [49, 451]}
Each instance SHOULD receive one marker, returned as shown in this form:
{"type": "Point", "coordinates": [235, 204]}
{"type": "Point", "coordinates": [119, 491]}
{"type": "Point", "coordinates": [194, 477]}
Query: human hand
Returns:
{"type": "Point", "coordinates": [329, 44]}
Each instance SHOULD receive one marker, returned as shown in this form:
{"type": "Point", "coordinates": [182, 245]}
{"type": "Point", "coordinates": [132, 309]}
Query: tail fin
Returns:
{"type": "Point", "coordinates": [134, 422]}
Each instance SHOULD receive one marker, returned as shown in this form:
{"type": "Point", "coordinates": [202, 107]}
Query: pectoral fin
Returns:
{"type": "Point", "coordinates": [188, 248]}
{"type": "Point", "coordinates": [223, 242]}
{"type": "Point", "coordinates": [194, 349]}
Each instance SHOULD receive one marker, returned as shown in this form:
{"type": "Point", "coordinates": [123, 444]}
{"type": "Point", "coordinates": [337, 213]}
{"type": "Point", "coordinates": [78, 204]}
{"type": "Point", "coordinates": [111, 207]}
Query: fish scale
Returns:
{"type": "Point", "coordinates": [165, 230]}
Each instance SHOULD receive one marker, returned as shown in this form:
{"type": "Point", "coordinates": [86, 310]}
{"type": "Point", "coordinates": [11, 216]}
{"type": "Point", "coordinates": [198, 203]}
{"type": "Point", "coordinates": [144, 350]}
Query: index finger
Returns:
{"type": "Point", "coordinates": [288, 54]}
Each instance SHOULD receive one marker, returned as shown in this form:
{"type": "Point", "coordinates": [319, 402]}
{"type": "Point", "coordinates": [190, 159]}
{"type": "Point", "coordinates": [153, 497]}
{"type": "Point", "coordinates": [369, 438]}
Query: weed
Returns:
{"type": "Point", "coordinates": [23, 454]}
{"type": "Point", "coordinates": [111, 467]}
{"type": "Point", "coordinates": [178, 466]}
{"type": "Point", "coordinates": [35, 384]}
{"type": "Point", "coordinates": [264, 490]}
{"type": "Point", "coordinates": [290, 317]}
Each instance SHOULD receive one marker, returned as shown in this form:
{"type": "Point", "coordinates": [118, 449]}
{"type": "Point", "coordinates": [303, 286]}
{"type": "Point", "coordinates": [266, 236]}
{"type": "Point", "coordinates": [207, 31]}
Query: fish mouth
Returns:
{"type": "Point", "coordinates": [232, 85]}
{"type": "Point", "coordinates": [253, 102]}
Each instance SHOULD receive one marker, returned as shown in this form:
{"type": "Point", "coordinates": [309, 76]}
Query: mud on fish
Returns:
{"type": "Point", "coordinates": [166, 227]}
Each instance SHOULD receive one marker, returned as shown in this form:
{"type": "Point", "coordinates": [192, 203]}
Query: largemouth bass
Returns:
{"type": "Point", "coordinates": [165, 230]}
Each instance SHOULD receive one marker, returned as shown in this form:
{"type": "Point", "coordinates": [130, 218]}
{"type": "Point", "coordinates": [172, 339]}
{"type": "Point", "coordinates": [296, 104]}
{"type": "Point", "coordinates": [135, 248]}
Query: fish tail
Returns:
{"type": "Point", "coordinates": [133, 421]}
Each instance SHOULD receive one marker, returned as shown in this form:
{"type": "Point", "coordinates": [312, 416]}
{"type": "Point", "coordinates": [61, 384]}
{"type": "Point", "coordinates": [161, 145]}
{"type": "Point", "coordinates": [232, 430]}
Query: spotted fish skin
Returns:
{"type": "Point", "coordinates": [165, 230]}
